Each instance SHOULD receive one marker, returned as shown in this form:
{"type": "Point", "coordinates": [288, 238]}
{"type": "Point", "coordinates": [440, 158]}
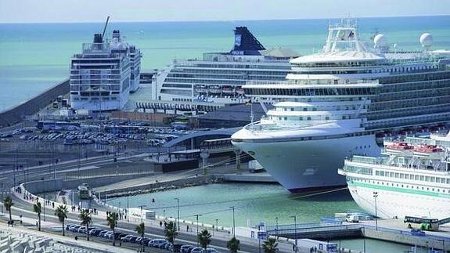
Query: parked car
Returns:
{"type": "Point", "coordinates": [129, 238]}
{"type": "Point", "coordinates": [201, 250]}
{"type": "Point", "coordinates": [144, 240]}
{"type": "Point", "coordinates": [186, 248]}
{"type": "Point", "coordinates": [108, 235]}
{"type": "Point", "coordinates": [95, 232]}
{"type": "Point", "coordinates": [156, 242]}
{"type": "Point", "coordinates": [102, 233]}
{"type": "Point", "coordinates": [74, 228]}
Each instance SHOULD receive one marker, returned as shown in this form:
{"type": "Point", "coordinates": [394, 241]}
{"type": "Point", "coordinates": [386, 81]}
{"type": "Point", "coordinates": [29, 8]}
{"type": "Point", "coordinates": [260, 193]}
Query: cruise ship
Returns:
{"type": "Point", "coordinates": [412, 178]}
{"type": "Point", "coordinates": [218, 77]}
{"type": "Point", "coordinates": [334, 102]}
{"type": "Point", "coordinates": [104, 74]}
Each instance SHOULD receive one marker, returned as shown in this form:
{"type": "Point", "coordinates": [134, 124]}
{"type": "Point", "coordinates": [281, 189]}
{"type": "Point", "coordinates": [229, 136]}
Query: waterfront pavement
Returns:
{"type": "Point", "coordinates": [23, 206]}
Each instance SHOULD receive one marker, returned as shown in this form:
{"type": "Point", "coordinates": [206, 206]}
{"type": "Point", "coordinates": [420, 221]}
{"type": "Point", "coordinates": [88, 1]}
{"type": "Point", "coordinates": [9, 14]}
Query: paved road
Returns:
{"type": "Point", "coordinates": [219, 240]}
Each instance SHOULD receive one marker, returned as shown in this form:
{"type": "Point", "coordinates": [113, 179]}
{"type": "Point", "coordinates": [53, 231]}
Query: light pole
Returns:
{"type": "Point", "coordinates": [196, 217]}
{"type": "Point", "coordinates": [295, 231]}
{"type": "Point", "coordinates": [141, 206]}
{"type": "Point", "coordinates": [128, 209]}
{"type": "Point", "coordinates": [234, 224]}
{"type": "Point", "coordinates": [217, 224]}
{"type": "Point", "coordinates": [276, 225]}
{"type": "Point", "coordinates": [375, 195]}
{"type": "Point", "coordinates": [45, 201]}
{"type": "Point", "coordinates": [178, 211]}
{"type": "Point", "coordinates": [259, 239]}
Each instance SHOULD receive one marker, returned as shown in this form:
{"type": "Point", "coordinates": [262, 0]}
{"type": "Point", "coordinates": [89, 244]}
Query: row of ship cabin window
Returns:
{"type": "Point", "coordinates": [412, 177]}
{"type": "Point", "coordinates": [402, 186]}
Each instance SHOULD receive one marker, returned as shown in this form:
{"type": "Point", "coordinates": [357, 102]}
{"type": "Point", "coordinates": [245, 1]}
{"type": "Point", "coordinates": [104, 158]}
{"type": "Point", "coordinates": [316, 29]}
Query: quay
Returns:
{"type": "Point", "coordinates": [34, 105]}
{"type": "Point", "coordinates": [393, 230]}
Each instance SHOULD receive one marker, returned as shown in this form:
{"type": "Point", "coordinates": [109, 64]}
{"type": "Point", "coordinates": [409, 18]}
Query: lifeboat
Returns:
{"type": "Point", "coordinates": [201, 89]}
{"type": "Point", "coordinates": [227, 90]}
{"type": "Point", "coordinates": [427, 149]}
{"type": "Point", "coordinates": [399, 147]}
{"type": "Point", "coordinates": [214, 89]}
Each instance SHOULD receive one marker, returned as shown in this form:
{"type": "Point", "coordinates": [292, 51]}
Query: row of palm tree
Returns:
{"type": "Point", "coordinates": [204, 237]}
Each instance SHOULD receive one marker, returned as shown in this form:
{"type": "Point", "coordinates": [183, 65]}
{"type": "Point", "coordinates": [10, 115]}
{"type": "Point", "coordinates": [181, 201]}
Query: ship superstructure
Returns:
{"type": "Point", "coordinates": [334, 102]}
{"type": "Point", "coordinates": [218, 77]}
{"type": "Point", "coordinates": [408, 182]}
{"type": "Point", "coordinates": [104, 74]}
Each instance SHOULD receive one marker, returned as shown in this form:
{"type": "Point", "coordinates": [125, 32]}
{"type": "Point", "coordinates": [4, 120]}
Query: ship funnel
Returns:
{"type": "Point", "coordinates": [116, 35]}
{"type": "Point", "coordinates": [98, 38]}
{"type": "Point", "coordinates": [245, 43]}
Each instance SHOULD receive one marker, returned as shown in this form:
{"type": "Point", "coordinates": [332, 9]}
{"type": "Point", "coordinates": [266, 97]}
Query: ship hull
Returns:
{"type": "Point", "coordinates": [308, 164]}
{"type": "Point", "coordinates": [393, 203]}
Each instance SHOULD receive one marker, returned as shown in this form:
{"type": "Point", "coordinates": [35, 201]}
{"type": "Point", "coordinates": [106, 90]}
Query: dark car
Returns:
{"type": "Point", "coordinates": [186, 248]}
{"type": "Point", "coordinates": [118, 235]}
{"type": "Point", "coordinates": [95, 232]}
{"type": "Point", "coordinates": [129, 238]}
{"type": "Point", "coordinates": [145, 240]}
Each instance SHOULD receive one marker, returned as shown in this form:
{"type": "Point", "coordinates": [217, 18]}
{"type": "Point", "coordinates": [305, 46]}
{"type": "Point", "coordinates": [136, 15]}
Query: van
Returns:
{"type": "Point", "coordinates": [352, 218]}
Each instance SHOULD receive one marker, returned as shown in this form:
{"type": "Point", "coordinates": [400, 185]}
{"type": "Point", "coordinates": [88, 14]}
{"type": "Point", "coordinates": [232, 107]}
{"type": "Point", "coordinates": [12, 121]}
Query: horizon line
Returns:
{"type": "Point", "coordinates": [231, 20]}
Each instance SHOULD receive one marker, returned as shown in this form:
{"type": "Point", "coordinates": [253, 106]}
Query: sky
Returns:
{"type": "Point", "coordinates": [74, 11]}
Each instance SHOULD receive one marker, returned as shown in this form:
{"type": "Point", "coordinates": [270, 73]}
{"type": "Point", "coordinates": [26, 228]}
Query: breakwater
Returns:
{"type": "Point", "coordinates": [162, 186]}
{"type": "Point", "coordinates": [34, 105]}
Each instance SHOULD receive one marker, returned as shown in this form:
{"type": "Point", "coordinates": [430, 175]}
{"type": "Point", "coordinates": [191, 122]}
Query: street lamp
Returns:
{"type": "Point", "coordinates": [196, 217]}
{"type": "Point", "coordinates": [276, 225]}
{"type": "Point", "coordinates": [375, 195]}
{"type": "Point", "coordinates": [295, 231]}
{"type": "Point", "coordinates": [178, 210]}
{"type": "Point", "coordinates": [141, 206]}
{"type": "Point", "coordinates": [128, 209]}
{"type": "Point", "coordinates": [234, 224]}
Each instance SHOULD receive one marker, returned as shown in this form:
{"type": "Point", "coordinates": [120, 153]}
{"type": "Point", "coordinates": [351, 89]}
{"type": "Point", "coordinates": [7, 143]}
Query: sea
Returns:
{"type": "Point", "coordinates": [35, 57]}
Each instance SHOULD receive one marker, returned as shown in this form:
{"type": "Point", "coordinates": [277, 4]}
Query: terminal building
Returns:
{"type": "Point", "coordinates": [104, 74]}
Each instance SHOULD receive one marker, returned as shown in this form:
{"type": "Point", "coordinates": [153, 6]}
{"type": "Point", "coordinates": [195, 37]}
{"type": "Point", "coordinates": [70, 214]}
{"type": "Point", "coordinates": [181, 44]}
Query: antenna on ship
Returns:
{"type": "Point", "coordinates": [104, 28]}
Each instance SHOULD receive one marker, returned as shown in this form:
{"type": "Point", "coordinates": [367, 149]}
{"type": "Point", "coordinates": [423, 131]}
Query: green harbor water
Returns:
{"type": "Point", "coordinates": [255, 203]}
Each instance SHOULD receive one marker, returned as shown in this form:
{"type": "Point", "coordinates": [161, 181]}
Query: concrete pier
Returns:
{"type": "Point", "coordinates": [33, 106]}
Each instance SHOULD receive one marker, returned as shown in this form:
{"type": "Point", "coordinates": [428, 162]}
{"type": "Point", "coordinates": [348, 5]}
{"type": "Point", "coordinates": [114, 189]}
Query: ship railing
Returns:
{"type": "Point", "coordinates": [365, 159]}
{"type": "Point", "coordinates": [313, 82]}
{"type": "Point", "coordinates": [256, 126]}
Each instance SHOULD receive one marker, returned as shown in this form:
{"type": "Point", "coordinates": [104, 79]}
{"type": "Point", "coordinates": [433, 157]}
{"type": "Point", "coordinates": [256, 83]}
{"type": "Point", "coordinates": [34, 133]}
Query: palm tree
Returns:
{"type": "Point", "coordinates": [233, 245]}
{"type": "Point", "coordinates": [112, 223]}
{"type": "Point", "coordinates": [61, 212]}
{"type": "Point", "coordinates": [7, 202]}
{"type": "Point", "coordinates": [140, 229]}
{"type": "Point", "coordinates": [171, 232]}
{"type": "Point", "coordinates": [270, 245]}
{"type": "Point", "coordinates": [204, 238]}
{"type": "Point", "coordinates": [86, 219]}
{"type": "Point", "coordinates": [37, 208]}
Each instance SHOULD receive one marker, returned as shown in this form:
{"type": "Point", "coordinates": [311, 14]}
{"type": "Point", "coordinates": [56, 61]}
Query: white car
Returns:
{"type": "Point", "coordinates": [202, 250]}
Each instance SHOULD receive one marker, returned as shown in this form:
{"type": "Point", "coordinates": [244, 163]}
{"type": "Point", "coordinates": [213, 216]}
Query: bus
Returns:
{"type": "Point", "coordinates": [425, 223]}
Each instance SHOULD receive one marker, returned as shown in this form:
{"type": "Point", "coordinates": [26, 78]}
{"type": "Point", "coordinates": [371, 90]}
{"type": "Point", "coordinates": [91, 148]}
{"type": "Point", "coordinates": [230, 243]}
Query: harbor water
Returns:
{"type": "Point", "coordinates": [255, 203]}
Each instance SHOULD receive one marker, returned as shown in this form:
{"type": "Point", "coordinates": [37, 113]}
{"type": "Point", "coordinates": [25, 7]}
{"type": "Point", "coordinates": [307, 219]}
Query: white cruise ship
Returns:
{"type": "Point", "coordinates": [412, 181]}
{"type": "Point", "coordinates": [335, 101]}
{"type": "Point", "coordinates": [218, 77]}
{"type": "Point", "coordinates": [104, 74]}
